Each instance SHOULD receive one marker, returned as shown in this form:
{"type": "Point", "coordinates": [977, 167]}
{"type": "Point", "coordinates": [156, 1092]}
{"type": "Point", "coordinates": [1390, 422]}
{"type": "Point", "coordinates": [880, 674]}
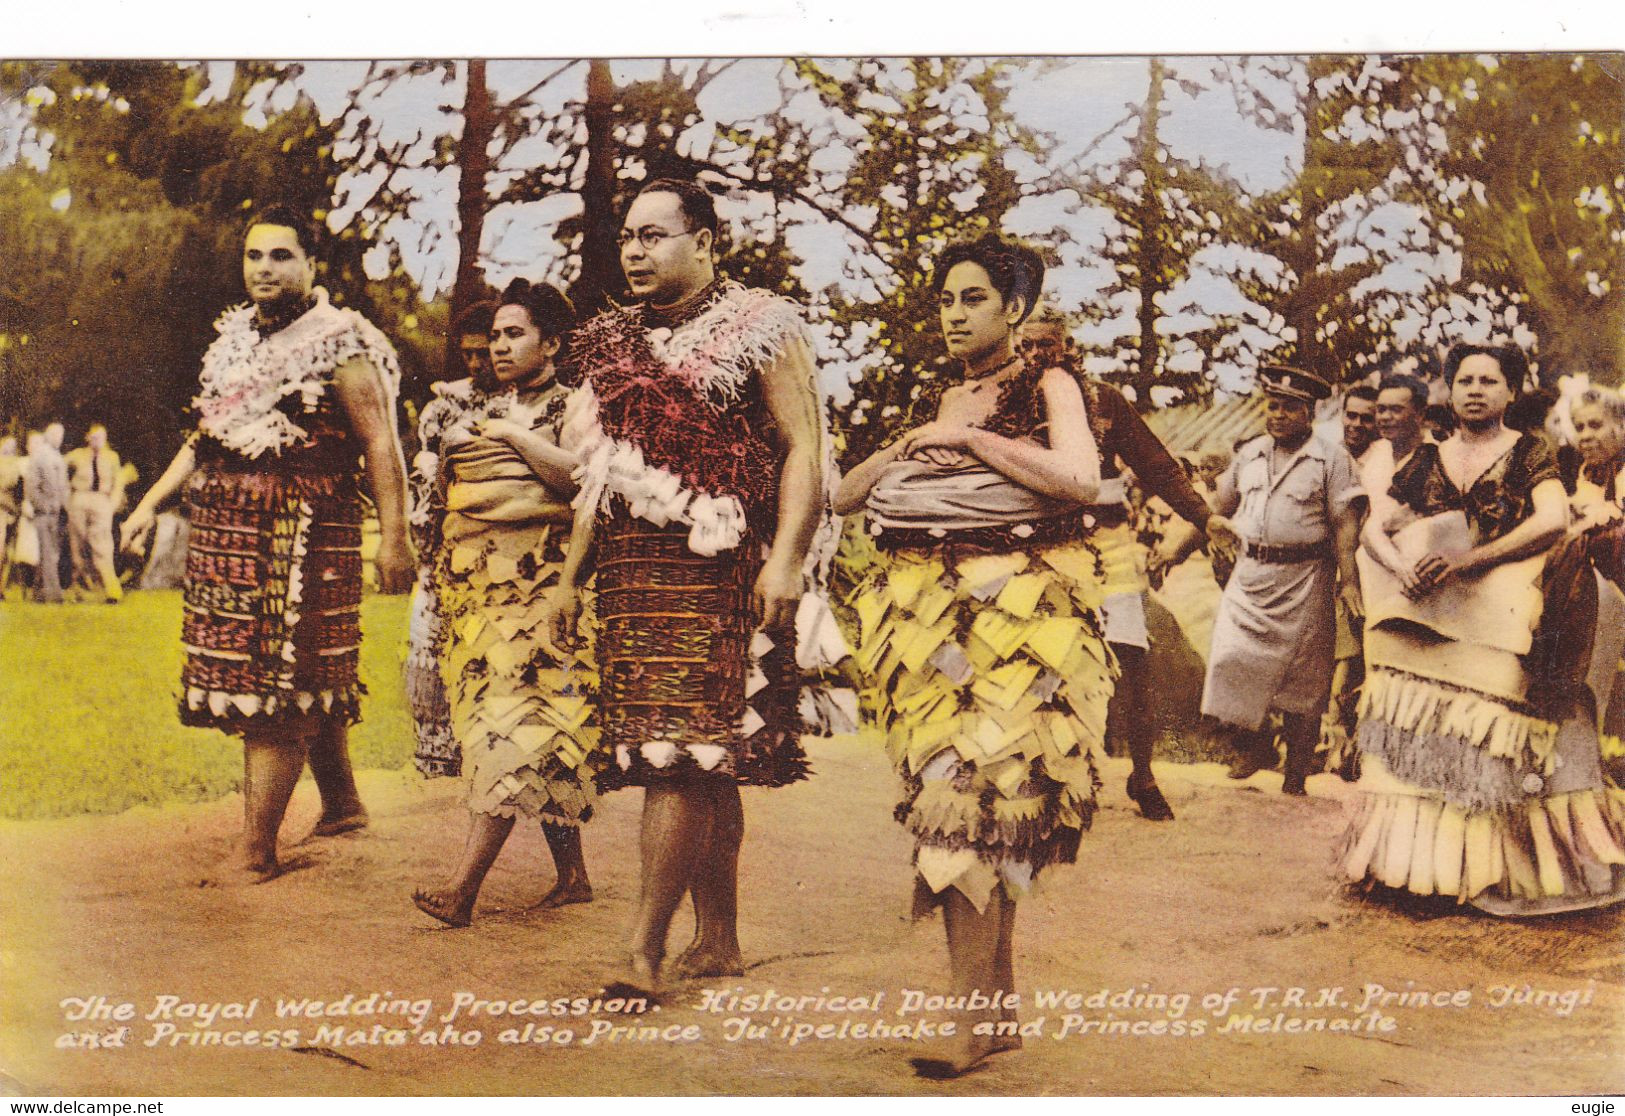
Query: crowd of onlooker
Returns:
{"type": "Point", "coordinates": [1583, 424]}
{"type": "Point", "coordinates": [58, 514]}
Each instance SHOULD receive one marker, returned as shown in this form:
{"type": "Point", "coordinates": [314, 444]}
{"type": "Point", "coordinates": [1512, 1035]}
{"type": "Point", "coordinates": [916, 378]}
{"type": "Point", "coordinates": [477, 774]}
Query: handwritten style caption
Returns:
{"type": "Point", "coordinates": [741, 1015]}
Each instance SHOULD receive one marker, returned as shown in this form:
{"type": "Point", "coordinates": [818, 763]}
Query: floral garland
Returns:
{"type": "Point", "coordinates": [253, 387]}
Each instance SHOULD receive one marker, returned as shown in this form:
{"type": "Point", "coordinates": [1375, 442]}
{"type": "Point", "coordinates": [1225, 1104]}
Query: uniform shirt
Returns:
{"type": "Point", "coordinates": [1298, 505]}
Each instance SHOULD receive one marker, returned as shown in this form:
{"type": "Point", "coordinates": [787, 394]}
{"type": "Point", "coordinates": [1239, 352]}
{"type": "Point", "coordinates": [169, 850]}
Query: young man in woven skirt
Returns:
{"type": "Point", "coordinates": [701, 489]}
{"type": "Point", "coordinates": [295, 411]}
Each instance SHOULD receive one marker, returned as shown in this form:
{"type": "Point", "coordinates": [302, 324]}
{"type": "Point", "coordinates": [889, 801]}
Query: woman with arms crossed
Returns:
{"type": "Point", "coordinates": [985, 664]}
{"type": "Point", "coordinates": [519, 715]}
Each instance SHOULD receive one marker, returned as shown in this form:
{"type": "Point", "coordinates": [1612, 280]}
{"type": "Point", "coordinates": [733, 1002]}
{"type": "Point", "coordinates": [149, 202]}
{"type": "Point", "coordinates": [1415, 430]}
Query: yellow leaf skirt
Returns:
{"type": "Point", "coordinates": [989, 677]}
{"type": "Point", "coordinates": [523, 722]}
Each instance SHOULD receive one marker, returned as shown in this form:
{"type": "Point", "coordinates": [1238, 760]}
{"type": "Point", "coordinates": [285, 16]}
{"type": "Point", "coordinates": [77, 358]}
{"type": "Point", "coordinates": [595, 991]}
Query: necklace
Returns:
{"type": "Point", "coordinates": [683, 309]}
{"type": "Point", "coordinates": [279, 315]}
{"type": "Point", "coordinates": [991, 376]}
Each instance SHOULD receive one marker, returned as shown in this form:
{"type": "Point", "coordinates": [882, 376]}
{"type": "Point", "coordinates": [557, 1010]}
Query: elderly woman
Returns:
{"type": "Point", "coordinates": [1599, 435]}
{"type": "Point", "coordinates": [1471, 790]}
{"type": "Point", "coordinates": [519, 717]}
{"type": "Point", "coordinates": [985, 664]}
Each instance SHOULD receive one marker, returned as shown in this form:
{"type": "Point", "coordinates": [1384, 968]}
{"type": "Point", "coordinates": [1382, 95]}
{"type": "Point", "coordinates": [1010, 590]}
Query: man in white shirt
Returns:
{"type": "Point", "coordinates": [95, 483]}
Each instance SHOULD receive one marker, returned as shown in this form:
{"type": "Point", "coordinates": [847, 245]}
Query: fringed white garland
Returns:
{"type": "Point", "coordinates": [717, 352]}
{"type": "Point", "coordinates": [610, 467]}
{"type": "Point", "coordinates": [245, 376]}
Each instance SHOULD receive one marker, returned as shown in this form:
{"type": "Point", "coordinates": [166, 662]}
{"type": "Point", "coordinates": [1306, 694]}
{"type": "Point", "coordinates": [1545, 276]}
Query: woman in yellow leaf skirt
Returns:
{"type": "Point", "coordinates": [1481, 785]}
{"type": "Point", "coordinates": [984, 661]}
{"type": "Point", "coordinates": [520, 718]}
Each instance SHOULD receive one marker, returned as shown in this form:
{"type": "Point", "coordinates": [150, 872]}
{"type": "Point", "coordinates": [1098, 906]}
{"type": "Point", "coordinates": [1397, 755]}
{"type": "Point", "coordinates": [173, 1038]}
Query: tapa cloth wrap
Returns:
{"type": "Point", "coordinates": [272, 592]}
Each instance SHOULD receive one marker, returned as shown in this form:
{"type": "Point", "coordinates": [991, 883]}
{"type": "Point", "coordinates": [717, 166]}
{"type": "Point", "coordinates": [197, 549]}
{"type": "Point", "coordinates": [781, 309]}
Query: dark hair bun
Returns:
{"type": "Point", "coordinates": [1016, 270]}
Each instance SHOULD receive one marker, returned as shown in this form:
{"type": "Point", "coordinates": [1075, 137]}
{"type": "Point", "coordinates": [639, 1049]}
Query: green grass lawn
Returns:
{"type": "Point", "coordinates": [87, 707]}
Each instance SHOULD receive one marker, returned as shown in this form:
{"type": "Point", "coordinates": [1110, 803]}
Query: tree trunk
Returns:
{"type": "Point", "coordinates": [1301, 251]}
{"type": "Point", "coordinates": [474, 163]}
{"type": "Point", "coordinates": [1150, 250]}
{"type": "Point", "coordinates": [600, 257]}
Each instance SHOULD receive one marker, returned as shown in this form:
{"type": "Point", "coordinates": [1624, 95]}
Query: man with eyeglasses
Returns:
{"type": "Point", "coordinates": [1126, 443]}
{"type": "Point", "coordinates": [700, 430]}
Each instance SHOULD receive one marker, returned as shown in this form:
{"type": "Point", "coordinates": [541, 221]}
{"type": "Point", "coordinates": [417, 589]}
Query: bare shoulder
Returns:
{"type": "Point", "coordinates": [1058, 383]}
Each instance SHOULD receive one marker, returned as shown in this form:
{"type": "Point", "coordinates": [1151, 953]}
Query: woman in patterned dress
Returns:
{"type": "Point", "coordinates": [984, 659]}
{"type": "Point", "coordinates": [519, 716]}
{"type": "Point", "coordinates": [436, 753]}
{"type": "Point", "coordinates": [1480, 782]}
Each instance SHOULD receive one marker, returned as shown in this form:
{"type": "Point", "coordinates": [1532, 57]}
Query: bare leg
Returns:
{"type": "Point", "coordinates": [973, 956]}
{"type": "Point", "coordinates": [569, 865]}
{"type": "Point", "coordinates": [272, 762]}
{"type": "Point", "coordinates": [1256, 752]}
{"type": "Point", "coordinates": [1136, 725]}
{"type": "Point", "coordinates": [454, 903]}
{"type": "Point", "coordinates": [1301, 732]}
{"type": "Point", "coordinates": [676, 824]}
{"type": "Point", "coordinates": [329, 760]}
{"type": "Point", "coordinates": [1005, 971]}
{"type": "Point", "coordinates": [715, 887]}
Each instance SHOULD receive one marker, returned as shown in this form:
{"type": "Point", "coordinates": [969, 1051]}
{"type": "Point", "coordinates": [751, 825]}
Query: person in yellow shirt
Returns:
{"type": "Point", "coordinates": [95, 487]}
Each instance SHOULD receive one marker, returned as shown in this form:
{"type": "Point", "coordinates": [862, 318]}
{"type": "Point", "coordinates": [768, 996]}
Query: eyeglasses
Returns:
{"type": "Point", "coordinates": [650, 237]}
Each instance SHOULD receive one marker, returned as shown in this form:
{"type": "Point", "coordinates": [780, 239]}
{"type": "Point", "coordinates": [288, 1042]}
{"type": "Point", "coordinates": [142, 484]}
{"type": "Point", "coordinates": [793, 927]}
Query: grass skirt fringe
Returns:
{"type": "Point", "coordinates": [524, 723]}
{"type": "Point", "coordinates": [989, 677]}
{"type": "Point", "coordinates": [1469, 797]}
{"type": "Point", "coordinates": [1560, 852]}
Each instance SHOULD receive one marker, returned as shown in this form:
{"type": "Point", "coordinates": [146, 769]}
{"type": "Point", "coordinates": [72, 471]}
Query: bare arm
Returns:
{"type": "Point", "coordinates": [556, 631]}
{"type": "Point", "coordinates": [1380, 544]}
{"type": "Point", "coordinates": [1069, 467]}
{"type": "Point", "coordinates": [1534, 535]}
{"type": "Point", "coordinates": [1347, 536]}
{"type": "Point", "coordinates": [790, 389]}
{"type": "Point", "coordinates": [855, 487]}
{"type": "Point", "coordinates": [1540, 532]}
{"type": "Point", "coordinates": [1223, 538]}
{"type": "Point", "coordinates": [162, 491]}
{"type": "Point", "coordinates": [552, 465]}
{"type": "Point", "coordinates": [367, 404]}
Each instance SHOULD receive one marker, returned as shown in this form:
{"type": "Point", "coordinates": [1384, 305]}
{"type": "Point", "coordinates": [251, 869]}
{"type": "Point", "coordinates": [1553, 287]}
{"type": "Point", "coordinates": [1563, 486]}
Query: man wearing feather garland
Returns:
{"type": "Point", "coordinates": [295, 395]}
{"type": "Point", "coordinates": [701, 490]}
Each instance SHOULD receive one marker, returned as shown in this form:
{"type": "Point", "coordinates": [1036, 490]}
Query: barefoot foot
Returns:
{"type": "Point", "coordinates": [447, 906]}
{"type": "Point", "coordinates": [564, 893]}
{"type": "Point", "coordinates": [336, 827]}
{"type": "Point", "coordinates": [971, 1056]}
{"type": "Point", "coordinates": [639, 980]}
{"type": "Point", "coordinates": [701, 960]}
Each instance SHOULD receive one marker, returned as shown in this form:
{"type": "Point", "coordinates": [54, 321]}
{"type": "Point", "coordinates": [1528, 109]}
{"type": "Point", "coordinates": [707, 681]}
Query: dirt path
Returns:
{"type": "Point", "coordinates": [1234, 895]}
